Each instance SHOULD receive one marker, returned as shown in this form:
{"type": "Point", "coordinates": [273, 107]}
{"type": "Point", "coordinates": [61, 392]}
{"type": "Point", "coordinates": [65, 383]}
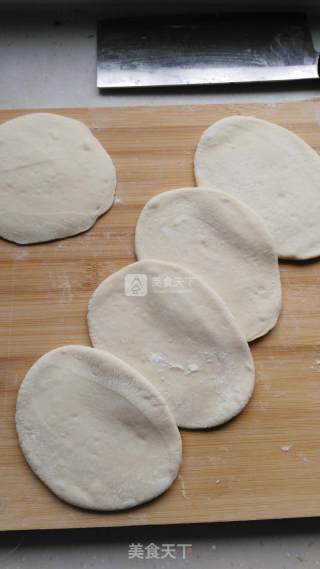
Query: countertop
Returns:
{"type": "Point", "coordinates": [48, 60]}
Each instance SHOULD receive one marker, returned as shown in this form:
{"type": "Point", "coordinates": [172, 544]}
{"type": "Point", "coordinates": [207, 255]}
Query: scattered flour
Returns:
{"type": "Point", "coordinates": [158, 358]}
{"type": "Point", "coordinates": [21, 254]}
{"type": "Point", "coordinates": [303, 457]}
{"type": "Point", "coordinates": [183, 488]}
{"type": "Point", "coordinates": [62, 282]}
{"type": "Point", "coordinates": [193, 367]}
{"type": "Point", "coordinates": [286, 448]}
{"type": "Point", "coordinates": [65, 286]}
{"type": "Point", "coordinates": [316, 365]}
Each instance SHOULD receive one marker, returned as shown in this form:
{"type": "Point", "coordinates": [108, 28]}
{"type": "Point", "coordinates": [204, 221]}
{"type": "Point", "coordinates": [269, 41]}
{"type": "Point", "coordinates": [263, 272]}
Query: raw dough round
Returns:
{"type": "Point", "coordinates": [55, 178]}
{"type": "Point", "coordinates": [95, 431]}
{"type": "Point", "coordinates": [273, 171]}
{"type": "Point", "coordinates": [224, 243]}
{"type": "Point", "coordinates": [167, 324]}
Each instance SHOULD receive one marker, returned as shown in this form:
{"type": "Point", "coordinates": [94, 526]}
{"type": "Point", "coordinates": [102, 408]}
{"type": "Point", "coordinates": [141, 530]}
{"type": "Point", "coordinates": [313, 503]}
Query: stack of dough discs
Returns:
{"type": "Point", "coordinates": [180, 335]}
{"type": "Point", "coordinates": [271, 170]}
{"type": "Point", "coordinates": [223, 242]}
{"type": "Point", "coordinates": [95, 431]}
{"type": "Point", "coordinates": [56, 178]}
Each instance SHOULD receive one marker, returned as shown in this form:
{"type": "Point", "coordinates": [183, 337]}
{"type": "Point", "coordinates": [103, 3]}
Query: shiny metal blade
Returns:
{"type": "Point", "coordinates": [230, 48]}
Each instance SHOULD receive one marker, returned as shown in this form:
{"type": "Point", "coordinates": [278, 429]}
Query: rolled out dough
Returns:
{"type": "Point", "coordinates": [171, 327]}
{"type": "Point", "coordinates": [221, 240]}
{"type": "Point", "coordinates": [271, 170]}
{"type": "Point", "coordinates": [95, 431]}
{"type": "Point", "coordinates": [55, 178]}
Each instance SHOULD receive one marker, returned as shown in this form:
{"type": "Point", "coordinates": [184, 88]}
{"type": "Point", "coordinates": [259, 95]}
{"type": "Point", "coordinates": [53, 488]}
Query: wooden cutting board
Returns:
{"type": "Point", "coordinates": [265, 463]}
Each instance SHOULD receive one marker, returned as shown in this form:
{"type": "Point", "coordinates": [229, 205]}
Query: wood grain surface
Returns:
{"type": "Point", "coordinates": [265, 463]}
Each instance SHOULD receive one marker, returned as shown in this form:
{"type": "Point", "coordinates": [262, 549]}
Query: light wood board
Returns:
{"type": "Point", "coordinates": [238, 472]}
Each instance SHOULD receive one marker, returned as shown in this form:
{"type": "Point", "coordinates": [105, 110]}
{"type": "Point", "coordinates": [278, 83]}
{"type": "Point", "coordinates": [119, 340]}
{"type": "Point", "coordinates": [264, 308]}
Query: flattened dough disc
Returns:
{"type": "Point", "coordinates": [167, 324]}
{"type": "Point", "coordinates": [271, 170]}
{"type": "Point", "coordinates": [55, 178]}
{"type": "Point", "coordinates": [223, 242]}
{"type": "Point", "coordinates": [95, 431]}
